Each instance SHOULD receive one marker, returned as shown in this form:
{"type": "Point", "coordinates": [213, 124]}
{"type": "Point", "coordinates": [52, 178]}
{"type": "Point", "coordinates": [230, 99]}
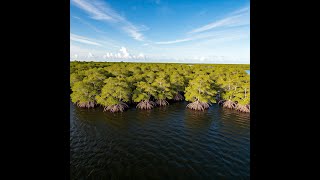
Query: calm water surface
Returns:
{"type": "Point", "coordinates": [162, 143]}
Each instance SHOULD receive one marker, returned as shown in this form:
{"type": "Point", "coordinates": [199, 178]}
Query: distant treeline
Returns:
{"type": "Point", "coordinates": [115, 85]}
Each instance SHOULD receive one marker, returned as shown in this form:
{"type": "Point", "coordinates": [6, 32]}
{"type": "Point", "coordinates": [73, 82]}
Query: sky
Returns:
{"type": "Point", "coordinates": [177, 31]}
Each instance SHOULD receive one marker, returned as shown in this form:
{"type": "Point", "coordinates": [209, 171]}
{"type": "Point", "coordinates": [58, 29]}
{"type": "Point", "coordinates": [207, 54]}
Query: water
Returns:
{"type": "Point", "coordinates": [248, 71]}
{"type": "Point", "coordinates": [162, 143]}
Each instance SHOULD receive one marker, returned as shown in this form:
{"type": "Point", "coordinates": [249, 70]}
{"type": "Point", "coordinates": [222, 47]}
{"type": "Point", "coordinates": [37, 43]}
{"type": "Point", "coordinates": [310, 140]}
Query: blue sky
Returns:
{"type": "Point", "coordinates": [187, 31]}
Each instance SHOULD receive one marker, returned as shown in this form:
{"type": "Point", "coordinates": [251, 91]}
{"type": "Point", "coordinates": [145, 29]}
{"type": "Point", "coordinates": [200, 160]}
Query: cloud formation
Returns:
{"type": "Point", "coordinates": [90, 55]}
{"type": "Point", "coordinates": [101, 11]}
{"type": "Point", "coordinates": [83, 39]}
{"type": "Point", "coordinates": [175, 41]}
{"type": "Point", "coordinates": [236, 19]}
{"type": "Point", "coordinates": [225, 34]}
{"type": "Point", "coordinates": [124, 52]}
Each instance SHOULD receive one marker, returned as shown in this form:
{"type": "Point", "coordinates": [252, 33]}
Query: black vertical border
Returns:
{"type": "Point", "coordinates": [253, 99]}
{"type": "Point", "coordinates": [66, 98]}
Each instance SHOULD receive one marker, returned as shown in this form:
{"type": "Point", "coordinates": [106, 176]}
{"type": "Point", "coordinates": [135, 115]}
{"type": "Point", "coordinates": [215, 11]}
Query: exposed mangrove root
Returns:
{"type": "Point", "coordinates": [229, 104]}
{"type": "Point", "coordinates": [86, 104]}
{"type": "Point", "coordinates": [248, 107]}
{"type": "Point", "coordinates": [243, 108]}
{"type": "Point", "coordinates": [146, 104]}
{"type": "Point", "coordinates": [178, 97]}
{"type": "Point", "coordinates": [116, 108]}
{"type": "Point", "coordinates": [162, 102]}
{"type": "Point", "coordinates": [199, 106]}
{"type": "Point", "coordinates": [220, 102]}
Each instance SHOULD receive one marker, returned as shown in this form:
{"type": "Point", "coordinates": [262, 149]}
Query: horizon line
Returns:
{"type": "Point", "coordinates": [158, 62]}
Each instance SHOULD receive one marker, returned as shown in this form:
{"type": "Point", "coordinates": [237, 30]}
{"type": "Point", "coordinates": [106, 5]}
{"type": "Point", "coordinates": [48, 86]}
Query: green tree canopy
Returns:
{"type": "Point", "coordinates": [112, 84]}
{"type": "Point", "coordinates": [83, 94]}
{"type": "Point", "coordinates": [200, 92]}
{"type": "Point", "coordinates": [114, 93]}
{"type": "Point", "coordinates": [162, 90]}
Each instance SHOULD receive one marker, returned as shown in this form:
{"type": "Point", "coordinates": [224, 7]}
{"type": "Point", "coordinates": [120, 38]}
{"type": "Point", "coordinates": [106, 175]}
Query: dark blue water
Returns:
{"type": "Point", "coordinates": [163, 143]}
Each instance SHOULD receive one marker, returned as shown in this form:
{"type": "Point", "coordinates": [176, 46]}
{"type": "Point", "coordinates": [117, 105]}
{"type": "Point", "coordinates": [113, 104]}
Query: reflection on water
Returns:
{"type": "Point", "coordinates": [163, 143]}
{"type": "Point", "coordinates": [198, 121]}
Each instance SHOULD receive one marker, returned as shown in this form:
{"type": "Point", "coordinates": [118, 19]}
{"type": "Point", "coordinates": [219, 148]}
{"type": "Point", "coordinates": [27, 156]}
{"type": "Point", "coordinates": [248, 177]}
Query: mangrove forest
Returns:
{"type": "Point", "coordinates": [117, 85]}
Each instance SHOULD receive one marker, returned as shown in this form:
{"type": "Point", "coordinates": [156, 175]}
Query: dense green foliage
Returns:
{"type": "Point", "coordinates": [114, 93]}
{"type": "Point", "coordinates": [113, 85]}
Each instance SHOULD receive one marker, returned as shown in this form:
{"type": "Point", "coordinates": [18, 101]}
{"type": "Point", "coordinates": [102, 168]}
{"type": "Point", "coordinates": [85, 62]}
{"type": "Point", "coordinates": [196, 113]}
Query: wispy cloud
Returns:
{"type": "Point", "coordinates": [98, 10]}
{"type": "Point", "coordinates": [218, 39]}
{"type": "Point", "coordinates": [102, 42]}
{"type": "Point", "coordinates": [101, 11]}
{"type": "Point", "coordinates": [229, 21]}
{"type": "Point", "coordinates": [235, 19]}
{"type": "Point", "coordinates": [242, 10]}
{"type": "Point", "coordinates": [82, 39]}
{"type": "Point", "coordinates": [207, 35]}
{"type": "Point", "coordinates": [175, 41]}
{"type": "Point", "coordinates": [88, 24]}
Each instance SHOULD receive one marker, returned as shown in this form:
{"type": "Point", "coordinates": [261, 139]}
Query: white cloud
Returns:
{"type": "Point", "coordinates": [209, 35]}
{"type": "Point", "coordinates": [124, 52]}
{"type": "Point", "coordinates": [229, 21]}
{"type": "Point", "coordinates": [242, 10]}
{"type": "Point", "coordinates": [101, 11]}
{"type": "Point", "coordinates": [90, 55]}
{"type": "Point", "coordinates": [81, 51]}
{"type": "Point", "coordinates": [133, 32]}
{"type": "Point", "coordinates": [83, 39]}
{"type": "Point", "coordinates": [88, 24]}
{"type": "Point", "coordinates": [235, 20]}
{"type": "Point", "coordinates": [202, 59]}
{"type": "Point", "coordinates": [141, 55]}
{"type": "Point", "coordinates": [95, 11]}
{"type": "Point", "coordinates": [118, 55]}
{"type": "Point", "coordinates": [175, 41]}
{"type": "Point", "coordinates": [106, 56]}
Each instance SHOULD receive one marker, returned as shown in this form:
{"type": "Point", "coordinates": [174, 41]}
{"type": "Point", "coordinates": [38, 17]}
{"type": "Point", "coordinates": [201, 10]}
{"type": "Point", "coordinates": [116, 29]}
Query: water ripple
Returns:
{"type": "Point", "coordinates": [162, 143]}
